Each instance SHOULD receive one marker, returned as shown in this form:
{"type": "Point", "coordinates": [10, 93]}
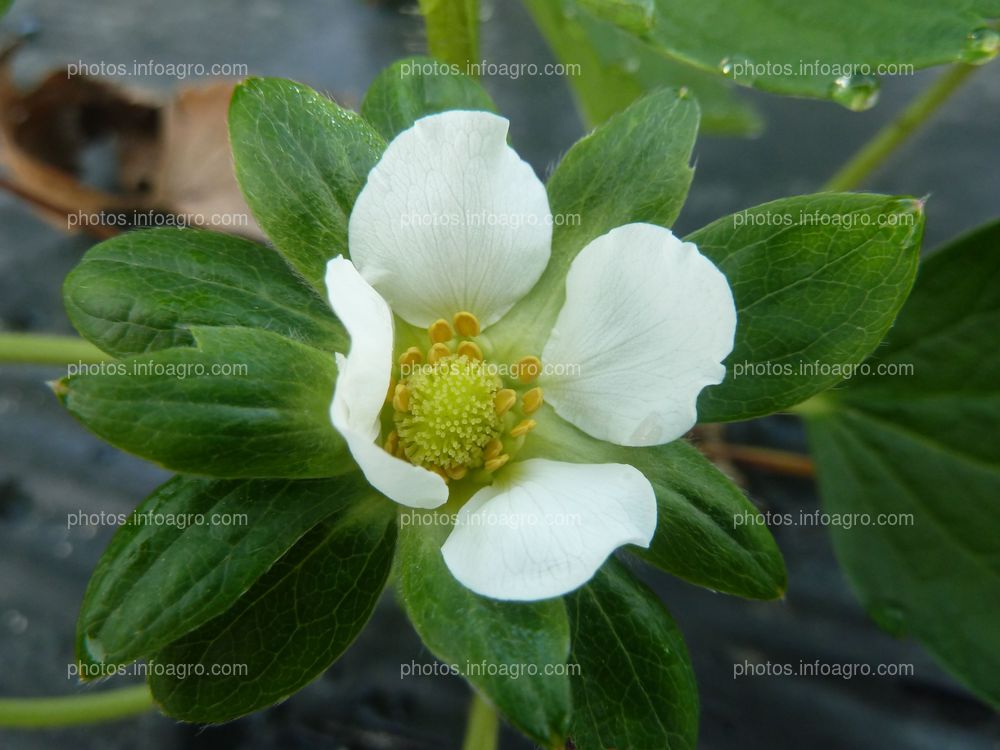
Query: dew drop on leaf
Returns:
{"type": "Point", "coordinates": [857, 92]}
{"type": "Point", "coordinates": [981, 46]}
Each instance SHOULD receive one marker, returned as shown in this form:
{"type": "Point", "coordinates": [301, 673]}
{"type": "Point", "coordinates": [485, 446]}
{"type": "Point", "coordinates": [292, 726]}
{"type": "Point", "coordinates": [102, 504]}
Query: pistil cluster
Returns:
{"type": "Point", "coordinates": [453, 412]}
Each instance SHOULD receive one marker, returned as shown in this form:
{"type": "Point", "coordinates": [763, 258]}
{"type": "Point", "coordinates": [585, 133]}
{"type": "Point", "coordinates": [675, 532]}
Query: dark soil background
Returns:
{"type": "Point", "coordinates": [50, 466]}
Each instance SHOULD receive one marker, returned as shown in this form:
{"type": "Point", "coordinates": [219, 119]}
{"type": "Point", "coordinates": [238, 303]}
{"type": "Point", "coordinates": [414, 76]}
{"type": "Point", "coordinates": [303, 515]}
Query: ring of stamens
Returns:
{"type": "Point", "coordinates": [452, 413]}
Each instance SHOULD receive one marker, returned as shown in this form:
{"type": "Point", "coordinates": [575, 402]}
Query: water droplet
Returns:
{"type": "Point", "coordinates": [631, 64]}
{"type": "Point", "coordinates": [738, 67]}
{"type": "Point", "coordinates": [14, 621]}
{"type": "Point", "coordinates": [569, 11]}
{"type": "Point", "coordinates": [889, 616]}
{"type": "Point", "coordinates": [857, 92]}
{"type": "Point", "coordinates": [981, 46]}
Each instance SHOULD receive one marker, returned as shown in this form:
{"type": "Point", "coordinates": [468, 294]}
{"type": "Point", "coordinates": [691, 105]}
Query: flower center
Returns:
{"type": "Point", "coordinates": [450, 417]}
{"type": "Point", "coordinates": [452, 411]}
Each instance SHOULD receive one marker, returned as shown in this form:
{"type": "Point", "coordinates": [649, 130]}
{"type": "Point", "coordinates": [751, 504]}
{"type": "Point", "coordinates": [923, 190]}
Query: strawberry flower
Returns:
{"type": "Point", "coordinates": [451, 231]}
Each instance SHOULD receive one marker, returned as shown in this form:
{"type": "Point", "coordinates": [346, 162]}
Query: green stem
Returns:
{"type": "Point", "coordinates": [890, 137]}
{"type": "Point", "coordinates": [481, 733]}
{"type": "Point", "coordinates": [26, 348]}
{"type": "Point", "coordinates": [107, 705]}
{"type": "Point", "coordinates": [453, 31]}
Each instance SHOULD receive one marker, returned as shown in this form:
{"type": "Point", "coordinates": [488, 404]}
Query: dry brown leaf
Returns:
{"type": "Point", "coordinates": [195, 174]}
{"type": "Point", "coordinates": [43, 133]}
{"type": "Point", "coordinates": [174, 164]}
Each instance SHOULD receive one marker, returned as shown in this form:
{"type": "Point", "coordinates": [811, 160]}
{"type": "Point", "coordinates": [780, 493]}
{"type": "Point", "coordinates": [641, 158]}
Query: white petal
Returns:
{"type": "Point", "coordinates": [647, 322]}
{"type": "Point", "coordinates": [362, 382]}
{"type": "Point", "coordinates": [451, 219]}
{"type": "Point", "coordinates": [544, 527]}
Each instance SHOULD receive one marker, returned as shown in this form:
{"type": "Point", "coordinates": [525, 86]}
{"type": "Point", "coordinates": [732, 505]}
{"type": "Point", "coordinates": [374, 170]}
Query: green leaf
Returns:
{"type": "Point", "coordinates": [817, 281]}
{"type": "Point", "coordinates": [240, 403]}
{"type": "Point", "coordinates": [141, 291]}
{"type": "Point", "coordinates": [615, 68]}
{"type": "Point", "coordinates": [416, 87]}
{"type": "Point", "coordinates": [452, 29]}
{"type": "Point", "coordinates": [710, 533]}
{"type": "Point", "coordinates": [707, 532]}
{"type": "Point", "coordinates": [495, 645]}
{"type": "Point", "coordinates": [634, 168]}
{"type": "Point", "coordinates": [634, 15]}
{"type": "Point", "coordinates": [301, 161]}
{"type": "Point", "coordinates": [4, 5]}
{"type": "Point", "coordinates": [635, 688]}
{"type": "Point", "coordinates": [190, 550]}
{"type": "Point", "coordinates": [289, 627]}
{"type": "Point", "coordinates": [914, 434]}
{"type": "Point", "coordinates": [804, 47]}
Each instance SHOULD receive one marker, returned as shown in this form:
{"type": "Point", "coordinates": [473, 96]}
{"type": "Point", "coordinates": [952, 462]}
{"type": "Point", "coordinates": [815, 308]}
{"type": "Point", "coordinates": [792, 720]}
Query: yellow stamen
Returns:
{"type": "Point", "coordinates": [531, 400]}
{"type": "Point", "coordinates": [401, 398]}
{"type": "Point", "coordinates": [456, 472]}
{"type": "Point", "coordinates": [466, 324]}
{"type": "Point", "coordinates": [439, 471]}
{"type": "Point", "coordinates": [438, 351]}
{"type": "Point", "coordinates": [440, 331]}
{"type": "Point", "coordinates": [523, 427]}
{"type": "Point", "coordinates": [504, 399]}
{"type": "Point", "coordinates": [392, 443]}
{"type": "Point", "coordinates": [470, 350]}
{"type": "Point", "coordinates": [493, 449]}
{"type": "Point", "coordinates": [495, 463]}
{"type": "Point", "coordinates": [528, 368]}
{"type": "Point", "coordinates": [410, 357]}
